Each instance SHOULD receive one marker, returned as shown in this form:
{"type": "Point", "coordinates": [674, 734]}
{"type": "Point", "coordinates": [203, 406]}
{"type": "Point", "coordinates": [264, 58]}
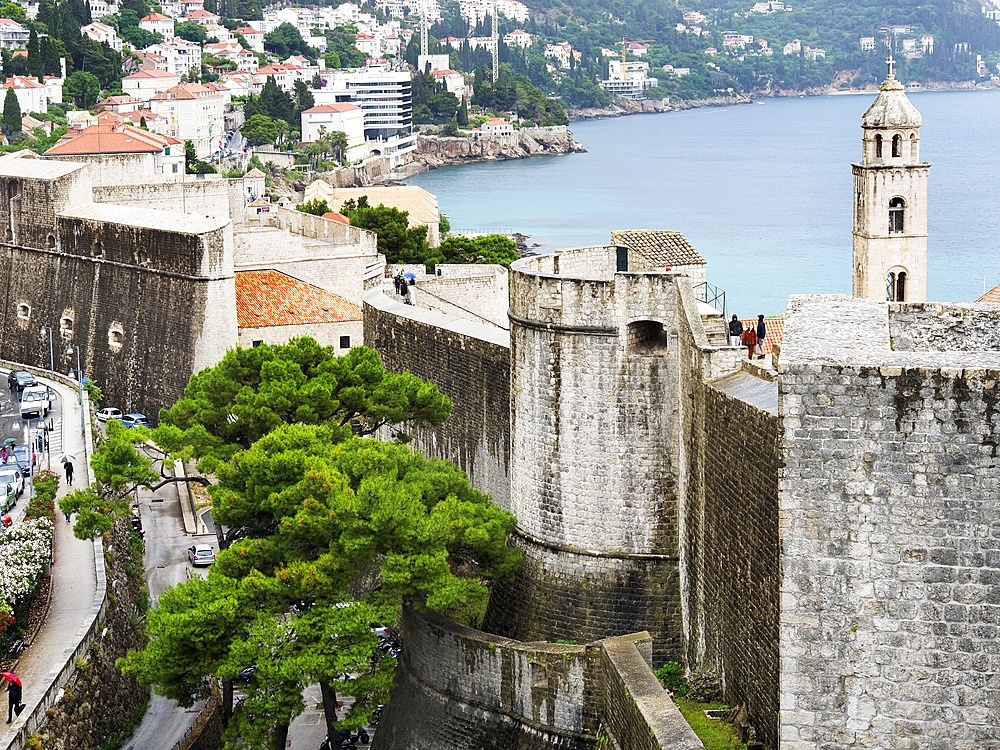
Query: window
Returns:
{"type": "Point", "coordinates": [345, 342]}
{"type": "Point", "coordinates": [646, 337]}
{"type": "Point", "coordinates": [896, 208]}
{"type": "Point", "coordinates": [66, 326]}
{"type": "Point", "coordinates": [878, 146]}
{"type": "Point", "coordinates": [895, 286]}
{"type": "Point", "coordinates": [897, 145]}
{"type": "Point", "coordinates": [116, 337]}
{"type": "Point", "coordinates": [50, 241]}
{"type": "Point", "coordinates": [24, 311]}
{"type": "Point", "coordinates": [174, 168]}
{"type": "Point", "coordinates": [257, 343]}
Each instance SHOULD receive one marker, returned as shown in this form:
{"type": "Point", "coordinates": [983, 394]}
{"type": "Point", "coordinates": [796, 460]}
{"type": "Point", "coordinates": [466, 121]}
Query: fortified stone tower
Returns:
{"type": "Point", "coordinates": [599, 365]}
{"type": "Point", "coordinates": [890, 201]}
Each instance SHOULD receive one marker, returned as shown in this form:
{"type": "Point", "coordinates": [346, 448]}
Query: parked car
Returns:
{"type": "Point", "coordinates": [135, 420]}
{"type": "Point", "coordinates": [24, 458]}
{"type": "Point", "coordinates": [35, 401]}
{"type": "Point", "coordinates": [11, 474]}
{"type": "Point", "coordinates": [201, 554]}
{"type": "Point", "coordinates": [19, 379]}
{"type": "Point", "coordinates": [108, 412]}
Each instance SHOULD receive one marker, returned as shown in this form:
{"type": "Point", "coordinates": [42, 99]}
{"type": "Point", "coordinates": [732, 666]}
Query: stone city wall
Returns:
{"type": "Point", "coordinates": [888, 519]}
{"type": "Point", "coordinates": [146, 304]}
{"type": "Point", "coordinates": [467, 361]}
{"type": "Point", "coordinates": [732, 570]}
{"type": "Point", "coordinates": [115, 169]}
{"type": "Point", "coordinates": [221, 198]}
{"type": "Point", "coordinates": [929, 326]}
{"type": "Point", "coordinates": [485, 297]}
{"type": "Point", "coordinates": [462, 689]}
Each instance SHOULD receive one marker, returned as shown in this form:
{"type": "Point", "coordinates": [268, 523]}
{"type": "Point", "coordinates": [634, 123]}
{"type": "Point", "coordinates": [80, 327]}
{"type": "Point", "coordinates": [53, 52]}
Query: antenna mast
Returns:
{"type": "Point", "coordinates": [423, 28]}
{"type": "Point", "coordinates": [495, 42]}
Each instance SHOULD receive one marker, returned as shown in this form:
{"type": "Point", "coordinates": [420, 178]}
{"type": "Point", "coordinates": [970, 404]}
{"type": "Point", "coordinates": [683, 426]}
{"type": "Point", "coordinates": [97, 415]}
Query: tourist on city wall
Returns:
{"type": "Point", "coordinates": [761, 335]}
{"type": "Point", "coordinates": [749, 340]}
{"type": "Point", "coordinates": [735, 331]}
{"type": "Point", "coordinates": [14, 705]}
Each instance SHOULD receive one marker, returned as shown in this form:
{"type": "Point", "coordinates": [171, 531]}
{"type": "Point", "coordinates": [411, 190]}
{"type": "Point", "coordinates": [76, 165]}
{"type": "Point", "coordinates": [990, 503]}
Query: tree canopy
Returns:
{"type": "Point", "coordinates": [259, 129]}
{"type": "Point", "coordinates": [82, 88]}
{"type": "Point", "coordinates": [255, 390]}
{"type": "Point", "coordinates": [396, 240]}
{"type": "Point", "coordinates": [11, 114]}
{"type": "Point", "coordinates": [286, 41]}
{"type": "Point", "coordinates": [341, 530]}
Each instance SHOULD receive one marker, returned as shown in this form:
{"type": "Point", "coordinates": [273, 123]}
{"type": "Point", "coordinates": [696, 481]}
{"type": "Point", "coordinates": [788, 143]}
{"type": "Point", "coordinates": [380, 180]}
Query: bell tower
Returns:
{"type": "Point", "coordinates": [890, 200]}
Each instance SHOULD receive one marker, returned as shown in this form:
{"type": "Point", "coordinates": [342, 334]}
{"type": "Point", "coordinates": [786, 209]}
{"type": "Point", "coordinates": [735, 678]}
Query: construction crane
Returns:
{"type": "Point", "coordinates": [624, 43]}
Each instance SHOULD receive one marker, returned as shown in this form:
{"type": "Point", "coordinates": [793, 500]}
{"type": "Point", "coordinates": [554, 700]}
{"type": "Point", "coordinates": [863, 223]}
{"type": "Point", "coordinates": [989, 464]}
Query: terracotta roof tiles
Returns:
{"type": "Point", "coordinates": [270, 298]}
{"type": "Point", "coordinates": [659, 247]}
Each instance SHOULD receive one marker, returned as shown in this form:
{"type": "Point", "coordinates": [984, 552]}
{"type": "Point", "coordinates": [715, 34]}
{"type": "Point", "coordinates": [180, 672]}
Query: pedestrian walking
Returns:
{"type": "Point", "coordinates": [761, 335]}
{"type": "Point", "coordinates": [69, 473]}
{"type": "Point", "coordinates": [735, 331]}
{"type": "Point", "coordinates": [749, 340]}
{"type": "Point", "coordinates": [14, 705]}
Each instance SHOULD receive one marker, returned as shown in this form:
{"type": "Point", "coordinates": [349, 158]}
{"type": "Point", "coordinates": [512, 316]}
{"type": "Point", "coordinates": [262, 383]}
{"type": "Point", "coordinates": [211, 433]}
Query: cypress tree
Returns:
{"type": "Point", "coordinates": [11, 113]}
{"type": "Point", "coordinates": [50, 57]}
{"type": "Point", "coordinates": [462, 118]}
{"type": "Point", "coordinates": [34, 55]}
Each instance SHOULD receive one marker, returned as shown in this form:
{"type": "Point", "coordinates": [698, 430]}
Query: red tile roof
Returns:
{"type": "Point", "coordinates": [156, 17]}
{"type": "Point", "coordinates": [341, 107]}
{"type": "Point", "coordinates": [106, 138]}
{"type": "Point", "coordinates": [271, 298]}
{"type": "Point", "coordinates": [334, 216]}
{"type": "Point", "coordinates": [775, 328]}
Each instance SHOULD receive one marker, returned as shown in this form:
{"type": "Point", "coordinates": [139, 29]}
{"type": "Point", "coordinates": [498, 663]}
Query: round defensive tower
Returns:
{"type": "Point", "coordinates": [598, 421]}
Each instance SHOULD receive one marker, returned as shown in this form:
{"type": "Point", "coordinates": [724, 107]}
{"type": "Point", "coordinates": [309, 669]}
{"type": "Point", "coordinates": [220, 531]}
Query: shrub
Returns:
{"type": "Point", "coordinates": [671, 676]}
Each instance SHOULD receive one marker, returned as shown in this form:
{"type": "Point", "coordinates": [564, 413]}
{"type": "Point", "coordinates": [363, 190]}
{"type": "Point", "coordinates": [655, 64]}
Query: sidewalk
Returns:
{"type": "Point", "coordinates": [74, 583]}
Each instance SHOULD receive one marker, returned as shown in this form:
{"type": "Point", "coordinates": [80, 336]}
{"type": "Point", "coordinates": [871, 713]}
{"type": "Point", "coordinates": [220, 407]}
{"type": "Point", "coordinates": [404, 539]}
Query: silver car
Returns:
{"type": "Point", "coordinates": [201, 554]}
{"type": "Point", "coordinates": [10, 474]}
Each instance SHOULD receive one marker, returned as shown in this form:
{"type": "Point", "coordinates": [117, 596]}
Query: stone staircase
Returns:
{"type": "Point", "coordinates": [714, 323]}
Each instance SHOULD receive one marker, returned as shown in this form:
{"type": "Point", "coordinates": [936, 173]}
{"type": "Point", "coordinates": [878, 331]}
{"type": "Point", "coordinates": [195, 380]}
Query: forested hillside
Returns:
{"type": "Point", "coordinates": [937, 40]}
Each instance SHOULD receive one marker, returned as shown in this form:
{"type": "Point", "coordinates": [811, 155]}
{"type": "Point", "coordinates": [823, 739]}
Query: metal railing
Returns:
{"type": "Point", "coordinates": [713, 295]}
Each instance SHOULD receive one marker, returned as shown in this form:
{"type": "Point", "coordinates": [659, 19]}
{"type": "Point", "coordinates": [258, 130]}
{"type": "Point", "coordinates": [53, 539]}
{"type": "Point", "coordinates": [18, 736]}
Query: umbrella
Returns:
{"type": "Point", "coordinates": [10, 441]}
{"type": "Point", "coordinates": [410, 275]}
{"type": "Point", "coordinates": [66, 458]}
{"type": "Point", "coordinates": [11, 676]}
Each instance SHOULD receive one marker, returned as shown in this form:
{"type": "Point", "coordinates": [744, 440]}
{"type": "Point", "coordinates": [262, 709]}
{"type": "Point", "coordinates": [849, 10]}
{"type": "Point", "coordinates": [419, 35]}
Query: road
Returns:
{"type": "Point", "coordinates": [167, 565]}
{"type": "Point", "coordinates": [12, 426]}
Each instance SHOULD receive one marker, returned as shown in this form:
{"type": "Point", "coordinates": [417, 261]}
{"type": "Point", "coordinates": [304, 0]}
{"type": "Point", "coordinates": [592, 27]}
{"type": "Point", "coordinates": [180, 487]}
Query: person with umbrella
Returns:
{"type": "Point", "coordinates": [69, 472]}
{"type": "Point", "coordinates": [14, 705]}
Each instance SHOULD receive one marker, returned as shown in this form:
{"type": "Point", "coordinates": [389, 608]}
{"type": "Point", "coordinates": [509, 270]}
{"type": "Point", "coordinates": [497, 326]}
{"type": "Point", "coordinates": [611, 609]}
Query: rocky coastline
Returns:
{"type": "Point", "coordinates": [440, 150]}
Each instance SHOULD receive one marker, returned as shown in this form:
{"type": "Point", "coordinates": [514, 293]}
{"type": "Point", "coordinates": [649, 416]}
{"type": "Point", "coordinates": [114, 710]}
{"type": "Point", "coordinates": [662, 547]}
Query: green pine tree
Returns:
{"type": "Point", "coordinates": [462, 117]}
{"type": "Point", "coordinates": [11, 113]}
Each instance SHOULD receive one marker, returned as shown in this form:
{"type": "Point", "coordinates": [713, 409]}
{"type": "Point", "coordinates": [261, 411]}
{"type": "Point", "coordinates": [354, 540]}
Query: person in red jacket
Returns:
{"type": "Point", "coordinates": [749, 340]}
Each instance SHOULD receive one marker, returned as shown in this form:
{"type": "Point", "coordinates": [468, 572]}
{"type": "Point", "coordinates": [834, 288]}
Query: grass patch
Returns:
{"type": "Point", "coordinates": [715, 734]}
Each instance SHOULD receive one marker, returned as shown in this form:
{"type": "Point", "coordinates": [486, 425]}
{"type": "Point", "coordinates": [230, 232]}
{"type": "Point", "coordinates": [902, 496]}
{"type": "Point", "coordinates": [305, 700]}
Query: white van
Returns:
{"type": "Point", "coordinates": [35, 401]}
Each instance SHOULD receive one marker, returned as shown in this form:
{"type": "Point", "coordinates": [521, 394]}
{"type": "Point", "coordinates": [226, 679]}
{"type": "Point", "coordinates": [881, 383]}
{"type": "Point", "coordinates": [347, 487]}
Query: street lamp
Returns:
{"type": "Point", "coordinates": [79, 383]}
{"type": "Point", "coordinates": [31, 455]}
{"type": "Point", "coordinates": [52, 361]}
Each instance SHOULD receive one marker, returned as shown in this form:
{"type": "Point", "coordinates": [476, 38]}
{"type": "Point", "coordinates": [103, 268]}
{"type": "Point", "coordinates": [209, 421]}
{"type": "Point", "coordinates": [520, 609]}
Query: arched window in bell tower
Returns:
{"type": "Point", "coordinates": [878, 146]}
{"type": "Point", "coordinates": [896, 209]}
{"type": "Point", "coordinates": [897, 145]}
{"type": "Point", "coordinates": [895, 286]}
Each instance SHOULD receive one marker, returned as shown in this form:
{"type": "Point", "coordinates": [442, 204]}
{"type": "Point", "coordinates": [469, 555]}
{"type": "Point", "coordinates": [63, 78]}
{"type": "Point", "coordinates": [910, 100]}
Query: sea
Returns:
{"type": "Point", "coordinates": [762, 190]}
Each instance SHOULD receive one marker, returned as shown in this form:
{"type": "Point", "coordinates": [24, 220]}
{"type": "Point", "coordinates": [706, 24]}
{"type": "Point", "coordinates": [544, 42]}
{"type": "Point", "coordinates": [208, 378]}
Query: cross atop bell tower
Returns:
{"type": "Point", "coordinates": [890, 200]}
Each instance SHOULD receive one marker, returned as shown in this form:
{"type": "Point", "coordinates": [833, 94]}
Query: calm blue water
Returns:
{"type": "Point", "coordinates": [763, 191]}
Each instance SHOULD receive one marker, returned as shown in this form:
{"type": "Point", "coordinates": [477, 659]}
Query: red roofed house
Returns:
{"type": "Point", "coordinates": [192, 113]}
{"type": "Point", "coordinates": [121, 153]}
{"type": "Point", "coordinates": [203, 17]}
{"type": "Point", "coordinates": [158, 23]}
{"type": "Point", "coordinates": [103, 34]}
{"type": "Point", "coordinates": [368, 44]}
{"type": "Point", "coordinates": [147, 83]}
{"type": "Point", "coordinates": [254, 38]}
{"type": "Point", "coordinates": [33, 96]}
{"type": "Point", "coordinates": [338, 217]}
{"type": "Point", "coordinates": [343, 116]}
{"type": "Point", "coordinates": [454, 81]}
{"type": "Point", "coordinates": [496, 126]}
{"type": "Point", "coordinates": [273, 308]}
{"type": "Point", "coordinates": [120, 103]}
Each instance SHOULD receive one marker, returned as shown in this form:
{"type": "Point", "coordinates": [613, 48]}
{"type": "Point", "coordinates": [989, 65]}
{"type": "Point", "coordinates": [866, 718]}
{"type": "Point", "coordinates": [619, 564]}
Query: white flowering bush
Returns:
{"type": "Point", "coordinates": [24, 549]}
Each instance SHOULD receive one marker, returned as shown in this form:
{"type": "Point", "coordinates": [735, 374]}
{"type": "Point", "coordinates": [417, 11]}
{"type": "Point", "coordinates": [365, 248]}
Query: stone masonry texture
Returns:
{"type": "Point", "coordinates": [734, 564]}
{"type": "Point", "coordinates": [145, 304]}
{"type": "Point", "coordinates": [890, 529]}
{"type": "Point", "coordinates": [473, 372]}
